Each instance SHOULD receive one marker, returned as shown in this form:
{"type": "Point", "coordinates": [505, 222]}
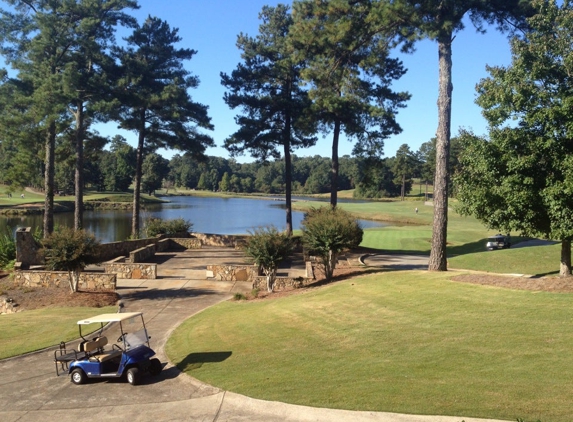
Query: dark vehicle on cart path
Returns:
{"type": "Point", "coordinates": [499, 241]}
{"type": "Point", "coordinates": [130, 356]}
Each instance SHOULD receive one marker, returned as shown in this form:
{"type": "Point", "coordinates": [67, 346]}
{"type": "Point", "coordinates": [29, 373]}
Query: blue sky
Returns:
{"type": "Point", "coordinates": [211, 27]}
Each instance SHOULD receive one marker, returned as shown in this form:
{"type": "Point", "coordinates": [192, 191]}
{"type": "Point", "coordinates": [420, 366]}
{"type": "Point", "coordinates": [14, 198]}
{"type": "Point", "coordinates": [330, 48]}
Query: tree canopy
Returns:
{"type": "Point", "coordinates": [266, 87]}
{"type": "Point", "coordinates": [521, 178]}
{"type": "Point", "coordinates": [349, 72]}
{"type": "Point", "coordinates": [155, 102]}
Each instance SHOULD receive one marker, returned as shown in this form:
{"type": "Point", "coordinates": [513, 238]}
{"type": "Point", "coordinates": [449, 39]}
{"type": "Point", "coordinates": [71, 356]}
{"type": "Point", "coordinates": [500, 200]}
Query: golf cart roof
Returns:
{"type": "Point", "coordinates": [109, 318]}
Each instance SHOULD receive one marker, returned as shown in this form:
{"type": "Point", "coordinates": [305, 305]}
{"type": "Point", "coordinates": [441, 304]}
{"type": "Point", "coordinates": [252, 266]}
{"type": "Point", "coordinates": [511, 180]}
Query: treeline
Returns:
{"type": "Point", "coordinates": [113, 170]}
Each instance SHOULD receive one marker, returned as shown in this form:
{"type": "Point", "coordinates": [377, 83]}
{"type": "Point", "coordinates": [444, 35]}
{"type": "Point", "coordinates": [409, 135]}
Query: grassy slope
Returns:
{"type": "Point", "coordinates": [49, 325]}
{"type": "Point", "coordinates": [408, 342]}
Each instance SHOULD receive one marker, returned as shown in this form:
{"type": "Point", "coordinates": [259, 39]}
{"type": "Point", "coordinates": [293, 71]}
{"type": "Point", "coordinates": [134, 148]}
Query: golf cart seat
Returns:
{"type": "Point", "coordinates": [102, 355]}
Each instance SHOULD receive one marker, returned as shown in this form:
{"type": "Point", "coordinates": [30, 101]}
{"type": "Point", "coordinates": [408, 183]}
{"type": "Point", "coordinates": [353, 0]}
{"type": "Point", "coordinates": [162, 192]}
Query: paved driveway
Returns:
{"type": "Point", "coordinates": [31, 392]}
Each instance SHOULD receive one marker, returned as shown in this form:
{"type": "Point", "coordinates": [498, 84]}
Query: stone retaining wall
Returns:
{"type": "Point", "coordinates": [232, 272]}
{"type": "Point", "coordinates": [141, 254]}
{"type": "Point", "coordinates": [230, 241]}
{"type": "Point", "coordinates": [108, 251]}
{"type": "Point", "coordinates": [281, 283]}
{"type": "Point", "coordinates": [184, 243]}
{"type": "Point", "coordinates": [7, 306]}
{"type": "Point", "coordinates": [128, 270]}
{"type": "Point", "coordinates": [88, 281]}
{"type": "Point", "coordinates": [27, 249]}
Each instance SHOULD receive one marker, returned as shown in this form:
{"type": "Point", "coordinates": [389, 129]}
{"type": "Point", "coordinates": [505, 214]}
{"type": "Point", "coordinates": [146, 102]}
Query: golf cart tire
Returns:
{"type": "Point", "coordinates": [155, 367]}
{"type": "Point", "coordinates": [78, 376]}
{"type": "Point", "coordinates": [133, 376]}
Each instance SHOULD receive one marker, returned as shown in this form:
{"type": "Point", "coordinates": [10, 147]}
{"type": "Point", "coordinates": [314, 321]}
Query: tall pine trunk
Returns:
{"type": "Point", "coordinates": [565, 267]}
{"type": "Point", "coordinates": [79, 173]}
{"type": "Point", "coordinates": [335, 165]}
{"type": "Point", "coordinates": [137, 182]}
{"type": "Point", "coordinates": [438, 261]}
{"type": "Point", "coordinates": [288, 174]}
{"type": "Point", "coordinates": [49, 179]}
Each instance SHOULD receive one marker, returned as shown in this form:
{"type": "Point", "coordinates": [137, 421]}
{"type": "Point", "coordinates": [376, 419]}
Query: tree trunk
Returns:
{"type": "Point", "coordinates": [49, 179]}
{"type": "Point", "coordinates": [137, 182]}
{"type": "Point", "coordinates": [288, 175]}
{"type": "Point", "coordinates": [403, 191]}
{"type": "Point", "coordinates": [565, 267]}
{"type": "Point", "coordinates": [334, 169]}
{"type": "Point", "coordinates": [438, 260]}
{"type": "Point", "coordinates": [79, 174]}
{"type": "Point", "coordinates": [329, 265]}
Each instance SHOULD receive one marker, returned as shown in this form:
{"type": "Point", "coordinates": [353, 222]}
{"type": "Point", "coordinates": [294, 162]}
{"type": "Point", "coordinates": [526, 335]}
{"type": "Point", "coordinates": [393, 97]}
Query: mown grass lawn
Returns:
{"type": "Point", "coordinates": [37, 329]}
{"type": "Point", "coordinates": [408, 342]}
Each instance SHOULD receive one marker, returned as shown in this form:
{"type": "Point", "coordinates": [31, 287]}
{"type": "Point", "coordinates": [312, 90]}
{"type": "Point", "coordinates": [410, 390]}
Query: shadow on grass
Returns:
{"type": "Point", "coordinates": [160, 294]}
{"type": "Point", "coordinates": [196, 360]}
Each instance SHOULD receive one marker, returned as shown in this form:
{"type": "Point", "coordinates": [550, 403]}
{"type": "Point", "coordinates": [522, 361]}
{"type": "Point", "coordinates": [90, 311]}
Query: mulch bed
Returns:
{"type": "Point", "coordinates": [29, 298]}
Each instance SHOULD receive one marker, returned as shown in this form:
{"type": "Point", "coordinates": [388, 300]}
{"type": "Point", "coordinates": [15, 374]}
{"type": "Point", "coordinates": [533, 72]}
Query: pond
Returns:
{"type": "Point", "coordinates": [207, 214]}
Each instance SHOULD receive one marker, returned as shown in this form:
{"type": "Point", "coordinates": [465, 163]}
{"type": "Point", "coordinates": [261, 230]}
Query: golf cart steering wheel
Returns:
{"type": "Point", "coordinates": [121, 338]}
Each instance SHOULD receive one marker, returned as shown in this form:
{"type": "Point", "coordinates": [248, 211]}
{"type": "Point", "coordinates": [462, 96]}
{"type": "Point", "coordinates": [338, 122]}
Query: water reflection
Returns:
{"type": "Point", "coordinates": [208, 215]}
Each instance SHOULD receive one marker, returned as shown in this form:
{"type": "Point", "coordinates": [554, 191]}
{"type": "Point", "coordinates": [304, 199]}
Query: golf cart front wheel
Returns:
{"type": "Point", "coordinates": [133, 376]}
{"type": "Point", "coordinates": [78, 376]}
{"type": "Point", "coordinates": [155, 367]}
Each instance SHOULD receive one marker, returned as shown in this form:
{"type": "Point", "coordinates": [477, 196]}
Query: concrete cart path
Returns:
{"type": "Point", "coordinates": [30, 390]}
{"type": "Point", "coordinates": [397, 261]}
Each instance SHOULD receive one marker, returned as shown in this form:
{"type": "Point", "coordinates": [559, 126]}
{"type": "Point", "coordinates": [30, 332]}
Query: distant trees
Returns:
{"type": "Point", "coordinates": [403, 168]}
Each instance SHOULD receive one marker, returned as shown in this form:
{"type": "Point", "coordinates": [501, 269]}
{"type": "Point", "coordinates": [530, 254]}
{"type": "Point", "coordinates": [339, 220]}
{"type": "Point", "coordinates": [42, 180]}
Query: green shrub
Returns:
{"type": "Point", "coordinates": [239, 296]}
{"type": "Point", "coordinates": [267, 247]}
{"type": "Point", "coordinates": [326, 232]}
{"type": "Point", "coordinates": [70, 250]}
{"type": "Point", "coordinates": [7, 250]}
{"type": "Point", "coordinates": [155, 226]}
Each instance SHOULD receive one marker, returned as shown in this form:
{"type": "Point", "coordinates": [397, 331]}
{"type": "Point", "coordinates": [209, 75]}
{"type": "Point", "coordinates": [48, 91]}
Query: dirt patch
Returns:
{"type": "Point", "coordinates": [28, 298]}
{"type": "Point", "coordinates": [545, 284]}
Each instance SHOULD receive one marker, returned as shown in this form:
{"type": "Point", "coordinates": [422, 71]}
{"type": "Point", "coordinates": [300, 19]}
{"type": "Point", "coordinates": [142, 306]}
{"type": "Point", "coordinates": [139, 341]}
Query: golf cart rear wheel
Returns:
{"type": "Point", "coordinates": [78, 376]}
{"type": "Point", "coordinates": [133, 376]}
{"type": "Point", "coordinates": [155, 367]}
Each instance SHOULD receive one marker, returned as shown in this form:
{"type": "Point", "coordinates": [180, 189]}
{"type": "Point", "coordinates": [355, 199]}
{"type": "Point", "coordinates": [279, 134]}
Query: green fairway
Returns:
{"type": "Point", "coordinates": [408, 342]}
{"type": "Point", "coordinates": [43, 328]}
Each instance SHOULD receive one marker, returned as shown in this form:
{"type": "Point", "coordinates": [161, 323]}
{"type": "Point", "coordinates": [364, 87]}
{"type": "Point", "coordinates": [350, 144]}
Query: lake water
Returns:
{"type": "Point", "coordinates": [208, 215]}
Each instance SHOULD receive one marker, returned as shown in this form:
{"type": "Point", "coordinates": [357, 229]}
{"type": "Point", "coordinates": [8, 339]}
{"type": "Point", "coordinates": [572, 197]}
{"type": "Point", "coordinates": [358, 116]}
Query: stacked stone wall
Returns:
{"type": "Point", "coordinates": [108, 251]}
{"type": "Point", "coordinates": [232, 272]}
{"type": "Point", "coordinates": [230, 241]}
{"type": "Point", "coordinates": [185, 243]}
{"type": "Point", "coordinates": [88, 281]}
{"type": "Point", "coordinates": [7, 306]}
{"type": "Point", "coordinates": [122, 269]}
{"type": "Point", "coordinates": [27, 249]}
{"type": "Point", "coordinates": [141, 254]}
{"type": "Point", "coordinates": [281, 283]}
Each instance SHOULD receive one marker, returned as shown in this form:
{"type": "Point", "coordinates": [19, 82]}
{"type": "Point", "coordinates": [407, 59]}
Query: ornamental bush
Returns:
{"type": "Point", "coordinates": [70, 250]}
{"type": "Point", "coordinates": [267, 247]}
{"type": "Point", "coordinates": [155, 226]}
{"type": "Point", "coordinates": [326, 232]}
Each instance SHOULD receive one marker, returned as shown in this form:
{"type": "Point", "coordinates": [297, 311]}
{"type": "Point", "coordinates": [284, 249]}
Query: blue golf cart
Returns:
{"type": "Point", "coordinates": [129, 356]}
